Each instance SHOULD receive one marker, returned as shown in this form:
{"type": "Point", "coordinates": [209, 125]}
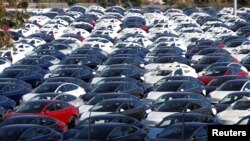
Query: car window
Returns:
{"type": "Point", "coordinates": [122, 131]}
{"type": "Point", "coordinates": [67, 87]}
{"type": "Point", "coordinates": [245, 121]}
{"type": "Point", "coordinates": [123, 120]}
{"type": "Point", "coordinates": [61, 105]}
{"type": "Point", "coordinates": [52, 107]}
{"type": "Point", "coordinates": [65, 98]}
{"type": "Point", "coordinates": [193, 106]}
{"type": "Point", "coordinates": [35, 132]}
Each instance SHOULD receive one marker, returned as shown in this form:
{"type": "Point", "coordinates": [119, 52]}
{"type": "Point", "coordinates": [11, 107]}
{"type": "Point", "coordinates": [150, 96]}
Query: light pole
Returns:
{"type": "Point", "coordinates": [183, 120]}
{"type": "Point", "coordinates": [235, 7]}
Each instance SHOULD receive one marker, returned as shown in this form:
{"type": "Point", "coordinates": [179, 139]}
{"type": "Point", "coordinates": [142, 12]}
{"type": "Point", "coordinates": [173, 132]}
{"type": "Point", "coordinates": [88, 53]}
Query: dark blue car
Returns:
{"type": "Point", "coordinates": [110, 132]}
{"type": "Point", "coordinates": [43, 63]}
{"type": "Point", "coordinates": [13, 91]}
{"type": "Point", "coordinates": [30, 76]}
{"type": "Point", "coordinates": [7, 103]}
{"type": "Point", "coordinates": [29, 132]}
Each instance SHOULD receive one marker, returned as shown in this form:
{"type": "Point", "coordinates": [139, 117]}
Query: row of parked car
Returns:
{"type": "Point", "coordinates": [130, 74]}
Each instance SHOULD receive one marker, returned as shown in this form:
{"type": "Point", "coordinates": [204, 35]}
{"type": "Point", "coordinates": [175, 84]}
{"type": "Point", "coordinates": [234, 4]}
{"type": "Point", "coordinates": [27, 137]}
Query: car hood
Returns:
{"type": "Point", "coordinates": [230, 117]}
{"type": "Point", "coordinates": [84, 108]}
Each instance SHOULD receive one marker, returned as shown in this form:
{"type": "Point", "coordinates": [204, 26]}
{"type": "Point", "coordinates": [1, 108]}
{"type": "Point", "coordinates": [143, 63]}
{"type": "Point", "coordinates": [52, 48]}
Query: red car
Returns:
{"type": "Point", "coordinates": [56, 109]}
{"type": "Point", "coordinates": [211, 73]}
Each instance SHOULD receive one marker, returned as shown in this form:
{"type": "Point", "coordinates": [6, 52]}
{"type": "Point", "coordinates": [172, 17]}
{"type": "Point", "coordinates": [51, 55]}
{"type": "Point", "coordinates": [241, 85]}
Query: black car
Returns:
{"type": "Point", "coordinates": [83, 74]}
{"type": "Point", "coordinates": [110, 132]}
{"type": "Point", "coordinates": [115, 86]}
{"type": "Point", "coordinates": [192, 130]}
{"type": "Point", "coordinates": [176, 95]}
{"type": "Point", "coordinates": [180, 86]}
{"type": "Point", "coordinates": [207, 60]}
{"type": "Point", "coordinates": [122, 72]}
{"type": "Point", "coordinates": [130, 107]}
{"type": "Point", "coordinates": [180, 118]}
{"type": "Point", "coordinates": [217, 81]}
{"type": "Point", "coordinates": [37, 120]}
{"type": "Point", "coordinates": [187, 105]}
{"type": "Point", "coordinates": [229, 99]}
{"type": "Point", "coordinates": [29, 132]}
{"type": "Point", "coordinates": [125, 79]}
{"type": "Point", "coordinates": [98, 119]}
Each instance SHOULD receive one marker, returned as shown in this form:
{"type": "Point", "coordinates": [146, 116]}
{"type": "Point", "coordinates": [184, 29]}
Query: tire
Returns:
{"type": "Point", "coordinates": [71, 123]}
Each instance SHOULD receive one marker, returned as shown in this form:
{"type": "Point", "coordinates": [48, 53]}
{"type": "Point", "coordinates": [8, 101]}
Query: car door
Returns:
{"type": "Point", "coordinates": [200, 134]}
{"type": "Point", "coordinates": [36, 133]}
{"type": "Point", "coordinates": [58, 110]}
{"type": "Point", "coordinates": [124, 133]}
{"type": "Point", "coordinates": [134, 110]}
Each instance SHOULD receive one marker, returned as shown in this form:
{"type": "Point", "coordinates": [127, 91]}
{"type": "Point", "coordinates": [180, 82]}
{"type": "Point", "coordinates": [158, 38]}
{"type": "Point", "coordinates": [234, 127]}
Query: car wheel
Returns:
{"type": "Point", "coordinates": [71, 123]}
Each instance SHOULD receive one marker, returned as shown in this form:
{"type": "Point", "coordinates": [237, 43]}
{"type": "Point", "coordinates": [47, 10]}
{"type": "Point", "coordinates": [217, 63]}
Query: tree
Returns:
{"type": "Point", "coordinates": [23, 4]}
{"type": "Point", "coordinates": [103, 3]}
{"type": "Point", "coordinates": [12, 3]}
{"type": "Point", "coordinates": [71, 2]}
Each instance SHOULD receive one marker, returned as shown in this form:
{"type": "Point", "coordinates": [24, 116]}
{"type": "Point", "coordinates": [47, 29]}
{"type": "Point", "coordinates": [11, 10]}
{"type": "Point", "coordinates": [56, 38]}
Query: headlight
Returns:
{"type": "Point", "coordinates": [142, 78]}
{"type": "Point", "coordinates": [214, 111]}
{"type": "Point", "coordinates": [142, 65]}
{"type": "Point", "coordinates": [204, 92]}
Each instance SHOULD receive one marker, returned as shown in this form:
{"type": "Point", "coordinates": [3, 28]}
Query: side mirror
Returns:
{"type": "Point", "coordinates": [188, 110]}
{"type": "Point", "coordinates": [122, 110]}
{"type": "Point", "coordinates": [246, 89]}
{"type": "Point", "coordinates": [181, 90]}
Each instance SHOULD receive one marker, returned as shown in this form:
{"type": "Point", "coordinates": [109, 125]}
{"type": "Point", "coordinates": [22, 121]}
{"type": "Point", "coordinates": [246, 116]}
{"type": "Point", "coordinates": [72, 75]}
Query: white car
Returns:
{"type": "Point", "coordinates": [12, 55]}
{"type": "Point", "coordinates": [34, 28]}
{"type": "Point", "coordinates": [4, 64]}
{"type": "Point", "coordinates": [25, 48]}
{"type": "Point", "coordinates": [55, 87]}
{"type": "Point", "coordinates": [229, 87]}
{"type": "Point", "coordinates": [168, 70]}
{"type": "Point", "coordinates": [34, 41]}
{"type": "Point", "coordinates": [235, 111]}
{"type": "Point", "coordinates": [84, 33]}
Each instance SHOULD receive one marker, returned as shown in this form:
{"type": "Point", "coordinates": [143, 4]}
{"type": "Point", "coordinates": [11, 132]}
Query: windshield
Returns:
{"type": "Point", "coordinates": [232, 86]}
{"type": "Point", "coordinates": [31, 107]}
{"type": "Point", "coordinates": [11, 133]}
{"type": "Point", "coordinates": [168, 86]}
{"type": "Point", "coordinates": [241, 105]}
{"type": "Point", "coordinates": [46, 88]}
{"type": "Point", "coordinates": [104, 88]}
{"type": "Point", "coordinates": [171, 106]}
{"type": "Point", "coordinates": [107, 106]}
{"type": "Point", "coordinates": [96, 133]}
{"type": "Point", "coordinates": [217, 82]}
{"type": "Point", "coordinates": [176, 132]}
{"type": "Point", "coordinates": [215, 72]}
